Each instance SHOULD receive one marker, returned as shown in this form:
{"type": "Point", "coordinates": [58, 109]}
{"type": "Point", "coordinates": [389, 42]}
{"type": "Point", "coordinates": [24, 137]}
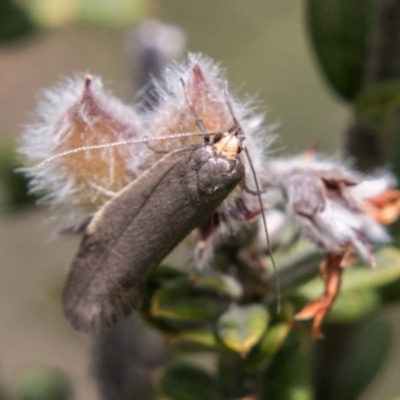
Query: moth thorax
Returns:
{"type": "Point", "coordinates": [228, 145]}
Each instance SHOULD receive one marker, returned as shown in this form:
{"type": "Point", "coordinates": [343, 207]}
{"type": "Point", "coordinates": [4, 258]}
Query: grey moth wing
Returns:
{"type": "Point", "coordinates": [131, 234]}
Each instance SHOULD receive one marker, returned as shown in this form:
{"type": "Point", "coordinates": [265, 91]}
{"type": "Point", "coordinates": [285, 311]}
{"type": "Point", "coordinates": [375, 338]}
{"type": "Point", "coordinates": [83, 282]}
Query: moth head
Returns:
{"type": "Point", "coordinates": [228, 144]}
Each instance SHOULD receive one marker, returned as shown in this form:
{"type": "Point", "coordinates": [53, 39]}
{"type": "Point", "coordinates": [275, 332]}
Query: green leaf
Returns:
{"type": "Point", "coordinates": [161, 276]}
{"type": "Point", "coordinates": [182, 301]}
{"type": "Point", "coordinates": [339, 31]}
{"type": "Point", "coordinates": [196, 339]}
{"type": "Point", "coordinates": [269, 344]}
{"type": "Point", "coordinates": [388, 270]}
{"type": "Point", "coordinates": [186, 382]}
{"type": "Point", "coordinates": [353, 306]}
{"type": "Point", "coordinates": [220, 283]}
{"type": "Point", "coordinates": [241, 327]}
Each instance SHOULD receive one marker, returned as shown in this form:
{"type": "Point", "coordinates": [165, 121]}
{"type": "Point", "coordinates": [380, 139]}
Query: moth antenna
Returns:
{"type": "Point", "coordinates": [199, 121]}
{"type": "Point", "coordinates": [120, 143]}
{"type": "Point", "coordinates": [258, 191]}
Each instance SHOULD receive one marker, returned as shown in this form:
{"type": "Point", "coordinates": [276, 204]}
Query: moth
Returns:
{"type": "Point", "coordinates": [130, 234]}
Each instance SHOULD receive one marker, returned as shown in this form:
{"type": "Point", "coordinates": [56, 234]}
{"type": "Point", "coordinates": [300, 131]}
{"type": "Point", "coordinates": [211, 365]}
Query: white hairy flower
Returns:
{"type": "Point", "coordinates": [331, 203]}
{"type": "Point", "coordinates": [79, 113]}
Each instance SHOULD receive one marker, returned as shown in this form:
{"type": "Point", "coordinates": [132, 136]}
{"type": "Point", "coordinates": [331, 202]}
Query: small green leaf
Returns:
{"type": "Point", "coordinates": [269, 344]}
{"type": "Point", "coordinates": [220, 283]}
{"type": "Point", "coordinates": [186, 382]}
{"type": "Point", "coordinates": [182, 301]}
{"type": "Point", "coordinates": [241, 327]}
{"type": "Point", "coordinates": [161, 276]}
{"type": "Point", "coordinates": [203, 339]}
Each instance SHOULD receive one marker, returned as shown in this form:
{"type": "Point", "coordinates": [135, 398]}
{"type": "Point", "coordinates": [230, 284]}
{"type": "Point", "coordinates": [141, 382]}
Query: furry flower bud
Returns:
{"type": "Point", "coordinates": [332, 204]}
{"type": "Point", "coordinates": [78, 113]}
{"type": "Point", "coordinates": [205, 88]}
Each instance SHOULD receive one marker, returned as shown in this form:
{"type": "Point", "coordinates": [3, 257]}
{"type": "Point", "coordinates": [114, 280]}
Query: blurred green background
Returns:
{"type": "Point", "coordinates": [265, 48]}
